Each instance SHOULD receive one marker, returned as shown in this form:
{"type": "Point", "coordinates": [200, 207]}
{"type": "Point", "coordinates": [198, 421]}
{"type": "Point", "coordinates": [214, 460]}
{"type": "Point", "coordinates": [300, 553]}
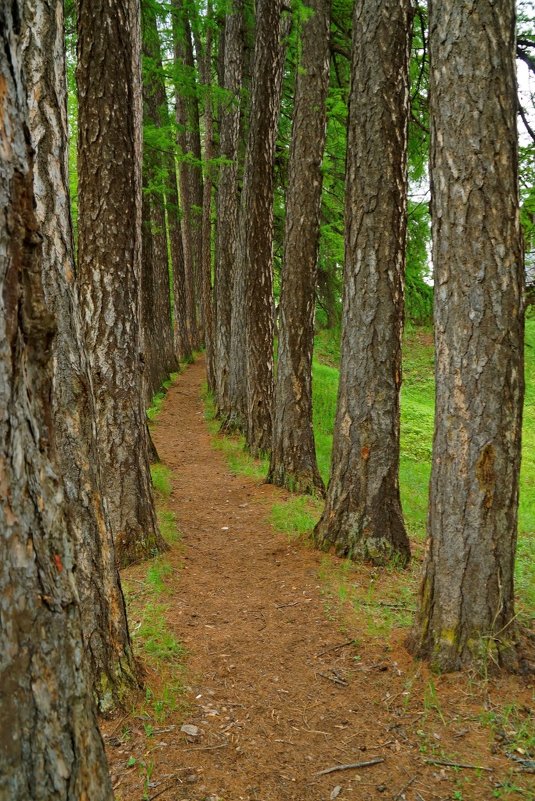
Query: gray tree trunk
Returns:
{"type": "Point", "coordinates": [293, 453]}
{"type": "Point", "coordinates": [109, 262]}
{"type": "Point", "coordinates": [255, 236]}
{"type": "Point", "coordinates": [160, 357]}
{"type": "Point", "coordinates": [466, 608]}
{"type": "Point", "coordinates": [362, 517]}
{"type": "Point", "coordinates": [105, 630]}
{"type": "Point", "coordinates": [227, 202]}
{"type": "Point", "coordinates": [206, 250]}
{"type": "Point", "coordinates": [50, 746]}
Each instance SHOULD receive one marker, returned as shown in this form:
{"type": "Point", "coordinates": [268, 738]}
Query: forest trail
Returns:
{"type": "Point", "coordinates": [274, 697]}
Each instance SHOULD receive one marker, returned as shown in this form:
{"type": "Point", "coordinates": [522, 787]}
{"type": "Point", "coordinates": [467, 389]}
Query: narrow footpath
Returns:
{"type": "Point", "coordinates": [276, 694]}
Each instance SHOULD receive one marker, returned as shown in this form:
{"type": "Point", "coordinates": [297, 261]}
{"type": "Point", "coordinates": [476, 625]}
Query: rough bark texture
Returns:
{"type": "Point", "coordinates": [255, 239]}
{"type": "Point", "coordinates": [206, 251]}
{"type": "Point", "coordinates": [176, 246]}
{"type": "Point", "coordinates": [106, 640]}
{"type": "Point", "coordinates": [185, 188]}
{"type": "Point", "coordinates": [50, 746]}
{"type": "Point", "coordinates": [109, 262]}
{"type": "Point", "coordinates": [466, 605]}
{"type": "Point", "coordinates": [362, 517]}
{"type": "Point", "coordinates": [227, 202]}
{"type": "Point", "coordinates": [293, 454]}
{"type": "Point", "coordinates": [160, 359]}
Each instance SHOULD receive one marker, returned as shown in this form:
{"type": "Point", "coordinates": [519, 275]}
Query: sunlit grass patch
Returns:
{"type": "Point", "coordinates": [296, 516]}
{"type": "Point", "coordinates": [168, 526]}
{"type": "Point", "coordinates": [161, 479]}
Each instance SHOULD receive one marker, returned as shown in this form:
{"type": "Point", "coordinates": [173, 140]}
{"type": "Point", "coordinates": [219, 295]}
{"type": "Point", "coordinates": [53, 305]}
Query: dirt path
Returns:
{"type": "Point", "coordinates": [273, 698]}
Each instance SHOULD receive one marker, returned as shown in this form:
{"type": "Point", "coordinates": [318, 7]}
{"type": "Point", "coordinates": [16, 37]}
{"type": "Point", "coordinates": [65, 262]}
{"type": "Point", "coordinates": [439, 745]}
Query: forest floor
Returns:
{"type": "Point", "coordinates": [283, 662]}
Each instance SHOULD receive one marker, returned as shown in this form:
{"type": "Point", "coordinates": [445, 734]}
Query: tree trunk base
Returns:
{"type": "Point", "coordinates": [351, 536]}
{"type": "Point", "coordinates": [305, 482]}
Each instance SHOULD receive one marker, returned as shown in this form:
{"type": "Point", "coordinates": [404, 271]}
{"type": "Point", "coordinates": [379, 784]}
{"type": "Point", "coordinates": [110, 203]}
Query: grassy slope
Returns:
{"type": "Point", "coordinates": [417, 409]}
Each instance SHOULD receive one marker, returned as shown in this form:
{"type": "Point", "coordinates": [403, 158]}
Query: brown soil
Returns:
{"type": "Point", "coordinates": [272, 685]}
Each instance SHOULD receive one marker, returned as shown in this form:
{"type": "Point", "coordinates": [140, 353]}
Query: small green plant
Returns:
{"type": "Point", "coordinates": [168, 525]}
{"type": "Point", "coordinates": [157, 640]}
{"type": "Point", "coordinates": [161, 479]}
{"type": "Point", "coordinates": [159, 570]}
{"type": "Point", "coordinates": [296, 516]}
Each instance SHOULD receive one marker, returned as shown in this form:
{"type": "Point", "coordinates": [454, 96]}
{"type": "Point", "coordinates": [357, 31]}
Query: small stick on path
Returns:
{"type": "Point", "coordinates": [405, 787]}
{"type": "Point", "coordinates": [350, 766]}
{"type": "Point", "coordinates": [336, 647]}
{"type": "Point", "coordinates": [449, 764]}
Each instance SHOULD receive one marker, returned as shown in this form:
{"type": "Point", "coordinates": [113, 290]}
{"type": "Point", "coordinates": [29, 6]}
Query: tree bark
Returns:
{"type": "Point", "coordinates": [206, 250]}
{"type": "Point", "coordinates": [50, 746]}
{"type": "Point", "coordinates": [227, 202]}
{"type": "Point", "coordinates": [184, 172]}
{"type": "Point", "coordinates": [159, 350]}
{"type": "Point", "coordinates": [109, 262]}
{"type": "Point", "coordinates": [466, 610]}
{"type": "Point", "coordinates": [363, 517]}
{"type": "Point", "coordinates": [106, 640]}
{"type": "Point", "coordinates": [293, 455]}
{"type": "Point", "coordinates": [255, 238]}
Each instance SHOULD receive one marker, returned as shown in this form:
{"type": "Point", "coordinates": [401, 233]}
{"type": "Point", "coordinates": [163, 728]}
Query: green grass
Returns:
{"type": "Point", "coordinates": [168, 526]}
{"type": "Point", "coordinates": [417, 415]}
{"type": "Point", "coordinates": [233, 447]}
{"type": "Point", "coordinates": [296, 516]}
{"type": "Point", "coordinates": [157, 640]}
{"type": "Point", "coordinates": [157, 401]}
{"type": "Point", "coordinates": [161, 479]}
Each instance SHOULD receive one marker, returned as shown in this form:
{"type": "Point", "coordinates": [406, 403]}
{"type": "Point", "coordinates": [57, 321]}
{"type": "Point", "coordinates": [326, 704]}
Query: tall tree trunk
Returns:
{"type": "Point", "coordinates": [293, 454]}
{"type": "Point", "coordinates": [185, 180]}
{"type": "Point", "coordinates": [227, 202]}
{"type": "Point", "coordinates": [176, 246]}
{"type": "Point", "coordinates": [206, 264]}
{"type": "Point", "coordinates": [466, 608]}
{"type": "Point", "coordinates": [109, 262]}
{"type": "Point", "coordinates": [51, 748]}
{"type": "Point", "coordinates": [161, 358]}
{"type": "Point", "coordinates": [255, 241]}
{"type": "Point", "coordinates": [363, 517]}
{"type": "Point", "coordinates": [106, 639]}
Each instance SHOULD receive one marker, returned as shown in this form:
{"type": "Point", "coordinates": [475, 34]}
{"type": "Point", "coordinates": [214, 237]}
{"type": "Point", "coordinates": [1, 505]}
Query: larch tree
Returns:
{"type": "Point", "coordinates": [208, 184]}
{"type": "Point", "coordinates": [254, 257]}
{"type": "Point", "coordinates": [105, 630]}
{"type": "Point", "coordinates": [293, 453]}
{"type": "Point", "coordinates": [51, 749]}
{"type": "Point", "coordinates": [109, 263]}
{"type": "Point", "coordinates": [466, 610]}
{"type": "Point", "coordinates": [227, 200]}
{"type": "Point", "coordinates": [182, 77]}
{"type": "Point", "coordinates": [362, 516]}
{"type": "Point", "coordinates": [160, 358]}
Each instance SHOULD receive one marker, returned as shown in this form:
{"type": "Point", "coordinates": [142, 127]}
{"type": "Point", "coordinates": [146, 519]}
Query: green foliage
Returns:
{"type": "Point", "coordinates": [161, 479]}
{"type": "Point", "coordinates": [296, 516]}
{"type": "Point", "coordinates": [168, 526]}
{"type": "Point", "coordinates": [417, 419]}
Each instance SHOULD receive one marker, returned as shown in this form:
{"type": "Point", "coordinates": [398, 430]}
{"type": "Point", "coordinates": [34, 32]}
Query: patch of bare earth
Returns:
{"type": "Point", "coordinates": [284, 679]}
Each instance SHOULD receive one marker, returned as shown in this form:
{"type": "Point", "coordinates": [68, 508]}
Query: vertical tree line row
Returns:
{"type": "Point", "coordinates": [203, 222]}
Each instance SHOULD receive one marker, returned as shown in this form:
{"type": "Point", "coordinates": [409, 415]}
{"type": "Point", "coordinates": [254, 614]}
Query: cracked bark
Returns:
{"type": "Point", "coordinates": [50, 746]}
{"type": "Point", "coordinates": [109, 263]}
{"type": "Point", "coordinates": [466, 610]}
{"type": "Point", "coordinates": [362, 516]}
{"type": "Point", "coordinates": [227, 202]}
{"type": "Point", "coordinates": [293, 455]}
{"type": "Point", "coordinates": [106, 640]}
{"type": "Point", "coordinates": [254, 264]}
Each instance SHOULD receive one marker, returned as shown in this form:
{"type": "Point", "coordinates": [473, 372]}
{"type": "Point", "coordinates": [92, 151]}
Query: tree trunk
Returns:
{"type": "Point", "coordinates": [109, 262]}
{"type": "Point", "coordinates": [206, 264]}
{"type": "Point", "coordinates": [362, 516]}
{"type": "Point", "coordinates": [176, 246]}
{"type": "Point", "coordinates": [255, 241]}
{"type": "Point", "coordinates": [227, 202]}
{"type": "Point", "coordinates": [106, 639]}
{"type": "Point", "coordinates": [293, 454]}
{"type": "Point", "coordinates": [162, 359]}
{"type": "Point", "coordinates": [50, 749]}
{"type": "Point", "coordinates": [184, 171]}
{"type": "Point", "coordinates": [466, 610]}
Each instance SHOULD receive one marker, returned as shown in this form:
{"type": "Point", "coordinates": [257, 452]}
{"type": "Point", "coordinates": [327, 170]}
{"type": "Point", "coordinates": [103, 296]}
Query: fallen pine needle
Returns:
{"type": "Point", "coordinates": [351, 766]}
